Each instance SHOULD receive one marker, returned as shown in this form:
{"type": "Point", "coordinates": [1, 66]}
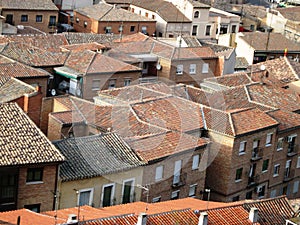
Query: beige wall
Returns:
{"type": "Point", "coordinates": [68, 196]}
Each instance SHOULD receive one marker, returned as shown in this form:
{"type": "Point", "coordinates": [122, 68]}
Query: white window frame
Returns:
{"type": "Point", "coordinates": [175, 194]}
{"type": "Point", "coordinates": [193, 68]}
{"type": "Point", "coordinates": [194, 188]}
{"type": "Point", "coordinates": [127, 81]}
{"type": "Point", "coordinates": [242, 150]}
{"type": "Point", "coordinates": [132, 189]}
{"type": "Point", "coordinates": [112, 193]}
{"type": "Point", "coordinates": [269, 139]}
{"type": "Point", "coordinates": [179, 69]}
{"type": "Point", "coordinates": [298, 162]}
{"type": "Point", "coordinates": [280, 140]}
{"type": "Point", "coordinates": [156, 199]}
{"type": "Point", "coordinates": [276, 174]}
{"type": "Point", "coordinates": [205, 68]}
{"type": "Point", "coordinates": [159, 174]}
{"type": "Point", "coordinates": [177, 171]}
{"type": "Point", "coordinates": [94, 88]}
{"type": "Point", "coordinates": [296, 187]}
{"type": "Point", "coordinates": [264, 171]}
{"type": "Point", "coordinates": [85, 190]}
{"type": "Point", "coordinates": [112, 81]}
{"type": "Point", "coordinates": [196, 161]}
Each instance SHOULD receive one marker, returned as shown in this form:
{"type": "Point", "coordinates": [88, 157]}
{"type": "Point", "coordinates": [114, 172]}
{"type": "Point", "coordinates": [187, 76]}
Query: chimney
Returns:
{"type": "Point", "coordinates": [253, 215]}
{"type": "Point", "coordinates": [142, 219]}
{"type": "Point", "coordinates": [72, 219]}
{"type": "Point", "coordinates": [203, 218]}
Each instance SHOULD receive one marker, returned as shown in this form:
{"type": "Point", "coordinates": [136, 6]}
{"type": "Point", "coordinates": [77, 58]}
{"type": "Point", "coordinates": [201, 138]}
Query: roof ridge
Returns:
{"type": "Point", "coordinates": [231, 124]}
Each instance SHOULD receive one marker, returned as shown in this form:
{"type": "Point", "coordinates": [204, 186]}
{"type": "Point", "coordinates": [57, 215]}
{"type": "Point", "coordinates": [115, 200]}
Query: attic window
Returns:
{"type": "Point", "coordinates": [196, 15]}
{"type": "Point", "coordinates": [107, 30]}
{"type": "Point", "coordinates": [85, 24]}
{"type": "Point", "coordinates": [77, 20]}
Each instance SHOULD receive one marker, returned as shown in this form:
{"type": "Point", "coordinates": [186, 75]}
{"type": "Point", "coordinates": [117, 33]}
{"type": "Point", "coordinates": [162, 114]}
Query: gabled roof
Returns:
{"type": "Point", "coordinates": [11, 89]}
{"type": "Point", "coordinates": [105, 12]}
{"type": "Point", "coordinates": [154, 147]}
{"type": "Point", "coordinates": [28, 5]}
{"type": "Point", "coordinates": [21, 141]}
{"type": "Point", "coordinates": [230, 80]}
{"type": "Point", "coordinates": [79, 38]}
{"type": "Point", "coordinates": [290, 13]}
{"type": "Point", "coordinates": [95, 155]}
{"type": "Point", "coordinates": [287, 120]}
{"type": "Point", "coordinates": [277, 41]}
{"type": "Point", "coordinates": [165, 9]}
{"type": "Point", "coordinates": [80, 61]}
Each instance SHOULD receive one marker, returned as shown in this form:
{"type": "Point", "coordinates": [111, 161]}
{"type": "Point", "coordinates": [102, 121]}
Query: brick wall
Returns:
{"type": "Point", "coordinates": [47, 107]}
{"type": "Point", "coordinates": [32, 106]}
{"type": "Point", "coordinates": [41, 82]}
{"type": "Point", "coordinates": [54, 129]}
{"type": "Point", "coordinates": [43, 26]}
{"type": "Point", "coordinates": [37, 193]}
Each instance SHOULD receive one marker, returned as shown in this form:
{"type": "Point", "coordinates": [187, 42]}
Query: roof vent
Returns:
{"type": "Point", "coordinates": [203, 218]}
{"type": "Point", "coordinates": [253, 215]}
{"type": "Point", "coordinates": [72, 219]}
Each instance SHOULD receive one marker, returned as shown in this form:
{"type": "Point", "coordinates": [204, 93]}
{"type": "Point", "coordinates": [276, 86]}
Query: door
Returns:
{"type": "Point", "coordinates": [107, 195]}
{"type": "Point", "coordinates": [9, 19]}
{"type": "Point", "coordinates": [127, 191]}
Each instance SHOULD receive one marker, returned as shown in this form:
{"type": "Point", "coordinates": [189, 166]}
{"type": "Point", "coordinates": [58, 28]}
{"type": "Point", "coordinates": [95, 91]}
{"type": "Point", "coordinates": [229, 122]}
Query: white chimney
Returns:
{"type": "Point", "coordinates": [72, 219]}
{"type": "Point", "coordinates": [203, 218]}
{"type": "Point", "coordinates": [253, 215]}
{"type": "Point", "coordinates": [142, 219]}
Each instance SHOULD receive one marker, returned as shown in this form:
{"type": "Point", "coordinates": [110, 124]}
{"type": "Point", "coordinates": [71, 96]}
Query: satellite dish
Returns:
{"type": "Point", "coordinates": [158, 66]}
{"type": "Point", "coordinates": [53, 92]}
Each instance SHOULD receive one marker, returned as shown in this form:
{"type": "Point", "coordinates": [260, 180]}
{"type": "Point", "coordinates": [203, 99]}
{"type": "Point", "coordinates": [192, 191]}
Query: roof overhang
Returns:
{"type": "Point", "coordinates": [146, 57]}
{"type": "Point", "coordinates": [67, 72]}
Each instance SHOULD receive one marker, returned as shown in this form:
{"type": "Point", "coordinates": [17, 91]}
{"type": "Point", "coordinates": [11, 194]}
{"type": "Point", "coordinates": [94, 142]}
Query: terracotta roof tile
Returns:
{"type": "Point", "coordinates": [28, 5]}
{"type": "Point", "coordinates": [94, 46]}
{"type": "Point", "coordinates": [196, 52]}
{"type": "Point", "coordinates": [241, 63]}
{"type": "Point", "coordinates": [287, 120]}
{"type": "Point", "coordinates": [21, 142]}
{"type": "Point", "coordinates": [20, 70]}
{"type": "Point", "coordinates": [290, 13]}
{"type": "Point", "coordinates": [78, 38]}
{"type": "Point", "coordinates": [80, 61]}
{"type": "Point", "coordinates": [133, 37]}
{"type": "Point", "coordinates": [122, 56]}
{"type": "Point", "coordinates": [231, 80]}
{"type": "Point", "coordinates": [135, 47]}
{"type": "Point", "coordinates": [67, 117]}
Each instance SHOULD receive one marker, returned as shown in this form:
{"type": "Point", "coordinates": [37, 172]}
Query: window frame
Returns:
{"type": "Point", "coordinates": [175, 194]}
{"type": "Point", "coordinates": [263, 169]}
{"type": "Point", "coordinates": [108, 30]}
{"type": "Point", "coordinates": [296, 187]}
{"type": "Point", "coordinates": [193, 68]}
{"type": "Point", "coordinates": [39, 16]}
{"type": "Point", "coordinates": [298, 162]}
{"type": "Point", "coordinates": [179, 69]}
{"type": "Point", "coordinates": [52, 23]}
{"type": "Point", "coordinates": [205, 67]}
{"type": "Point", "coordinates": [110, 82]}
{"type": "Point", "coordinates": [156, 199]}
{"type": "Point", "coordinates": [94, 88]}
{"type": "Point", "coordinates": [242, 151]}
{"type": "Point", "coordinates": [34, 171]}
{"type": "Point", "coordinates": [156, 177]}
{"type": "Point", "coordinates": [23, 17]}
{"type": "Point", "coordinates": [193, 186]}
{"type": "Point", "coordinates": [275, 170]}
{"type": "Point", "coordinates": [196, 14]}
{"type": "Point", "coordinates": [280, 140]}
{"type": "Point", "coordinates": [91, 190]}
{"type": "Point", "coordinates": [132, 180]}
{"type": "Point", "coordinates": [127, 82]}
{"type": "Point", "coordinates": [238, 174]}
{"type": "Point", "coordinates": [269, 139]}
{"type": "Point", "coordinates": [209, 31]}
{"type": "Point", "coordinates": [195, 162]}
{"type": "Point", "coordinates": [112, 193]}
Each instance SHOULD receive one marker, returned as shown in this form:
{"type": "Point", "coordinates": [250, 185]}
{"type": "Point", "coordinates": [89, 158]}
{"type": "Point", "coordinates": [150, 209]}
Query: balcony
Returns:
{"type": "Point", "coordinates": [288, 174]}
{"type": "Point", "coordinates": [257, 154]}
{"type": "Point", "coordinates": [179, 180]}
{"type": "Point", "coordinates": [253, 181]}
{"type": "Point", "coordinates": [292, 150]}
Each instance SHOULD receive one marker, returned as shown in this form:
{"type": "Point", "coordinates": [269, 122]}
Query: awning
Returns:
{"type": "Point", "coordinates": [67, 72]}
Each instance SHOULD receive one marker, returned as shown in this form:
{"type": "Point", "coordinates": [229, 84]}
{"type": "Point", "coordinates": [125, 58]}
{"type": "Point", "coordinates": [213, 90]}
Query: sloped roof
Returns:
{"type": "Point", "coordinates": [78, 38]}
{"type": "Point", "coordinates": [11, 89]}
{"type": "Point", "coordinates": [277, 42]}
{"type": "Point", "coordinates": [105, 12]}
{"type": "Point", "coordinates": [93, 46]}
{"type": "Point", "coordinates": [290, 13]}
{"type": "Point", "coordinates": [95, 155]}
{"type": "Point", "coordinates": [152, 147]}
{"type": "Point", "coordinates": [28, 5]}
{"type": "Point", "coordinates": [21, 141]}
{"type": "Point", "coordinates": [19, 70]}
{"type": "Point", "coordinates": [287, 120]}
{"type": "Point", "coordinates": [80, 61]}
{"type": "Point", "coordinates": [241, 63]}
{"type": "Point", "coordinates": [230, 80]}
{"type": "Point", "coordinates": [67, 117]}
{"type": "Point", "coordinates": [166, 10]}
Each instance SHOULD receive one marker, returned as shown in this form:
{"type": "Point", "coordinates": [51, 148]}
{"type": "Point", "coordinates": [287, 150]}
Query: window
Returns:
{"type": "Point", "coordinates": [265, 165]}
{"type": "Point", "coordinates": [39, 18]}
{"type": "Point", "coordinates": [242, 148]}
{"type": "Point", "coordinates": [296, 186]}
{"type": "Point", "coordinates": [9, 19]}
{"type": "Point", "coordinates": [153, 17]}
{"type": "Point", "coordinates": [111, 84]}
{"type": "Point", "coordinates": [128, 190]}
{"type": "Point", "coordinates": [298, 162]}
{"type": "Point", "coordinates": [287, 169]}
{"type": "Point", "coordinates": [236, 198]}
{"type": "Point", "coordinates": [77, 20]}
{"type": "Point", "coordinates": [276, 170]}
{"type": "Point", "coordinates": [85, 197]}
{"type": "Point", "coordinates": [156, 199]}
{"type": "Point", "coordinates": [280, 144]}
{"type": "Point", "coordinates": [132, 10]}
{"type": "Point", "coordinates": [195, 162]}
{"type": "Point", "coordinates": [96, 85]}
{"type": "Point", "coordinates": [175, 195]}
{"type": "Point", "coordinates": [85, 23]}
{"type": "Point", "coordinates": [107, 30]}
{"type": "Point", "coordinates": [52, 20]}
{"type": "Point", "coordinates": [24, 18]}
{"type": "Point", "coordinates": [194, 30]}
{"type": "Point", "coordinates": [146, 14]}
{"type": "Point", "coordinates": [238, 174]}
{"type": "Point", "coordinates": [223, 29]}
{"type": "Point", "coordinates": [179, 69]}
{"type": "Point", "coordinates": [177, 170]}
{"type": "Point", "coordinates": [261, 191]}
{"type": "Point", "coordinates": [159, 173]}
{"type": "Point", "coordinates": [205, 68]}
{"type": "Point", "coordinates": [34, 175]}
{"type": "Point", "coordinates": [144, 30]}
{"type": "Point", "coordinates": [207, 30]}
{"type": "Point", "coordinates": [121, 28]}
{"type": "Point", "coordinates": [249, 195]}
{"type": "Point", "coordinates": [192, 68]}
{"type": "Point", "coordinates": [192, 191]}
{"type": "Point", "coordinates": [269, 139]}
{"type": "Point", "coordinates": [196, 14]}
{"type": "Point", "coordinates": [108, 192]}
{"type": "Point", "coordinates": [132, 28]}
{"type": "Point", "coordinates": [127, 82]}
{"type": "Point", "coordinates": [233, 29]}
{"type": "Point", "coordinates": [8, 186]}
{"type": "Point", "coordinates": [34, 207]}
{"type": "Point", "coordinates": [273, 193]}
{"type": "Point", "coordinates": [292, 143]}
{"type": "Point", "coordinates": [255, 149]}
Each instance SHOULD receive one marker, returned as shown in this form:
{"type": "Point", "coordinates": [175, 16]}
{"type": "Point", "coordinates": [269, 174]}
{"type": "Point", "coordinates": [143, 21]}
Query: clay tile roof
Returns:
{"type": "Point", "coordinates": [141, 47]}
{"type": "Point", "coordinates": [106, 12]}
{"type": "Point", "coordinates": [287, 120]}
{"type": "Point", "coordinates": [241, 63]}
{"type": "Point", "coordinates": [171, 113]}
{"type": "Point", "coordinates": [28, 5]}
{"type": "Point", "coordinates": [179, 217]}
{"type": "Point", "coordinates": [231, 80]}
{"type": "Point", "coordinates": [64, 101]}
{"type": "Point", "coordinates": [95, 155]}
{"type": "Point", "coordinates": [166, 10]}
{"type": "Point", "coordinates": [295, 65]}
{"type": "Point", "coordinates": [94, 46]}
{"type": "Point", "coordinates": [67, 117]}
{"type": "Point", "coordinates": [20, 70]}
{"type": "Point", "coordinates": [290, 13]}
{"type": "Point", "coordinates": [21, 142]}
{"type": "Point", "coordinates": [277, 41]}
{"type": "Point", "coordinates": [274, 97]}
{"type": "Point", "coordinates": [272, 211]}
{"type": "Point", "coordinates": [165, 144]}
{"type": "Point", "coordinates": [11, 89]}
{"type": "Point", "coordinates": [120, 220]}
{"type": "Point", "coordinates": [80, 61]}
{"type": "Point", "coordinates": [122, 56]}
{"type": "Point", "coordinates": [27, 217]}
{"type": "Point", "coordinates": [133, 38]}
{"type": "Point", "coordinates": [197, 52]}
{"type": "Point", "coordinates": [79, 38]}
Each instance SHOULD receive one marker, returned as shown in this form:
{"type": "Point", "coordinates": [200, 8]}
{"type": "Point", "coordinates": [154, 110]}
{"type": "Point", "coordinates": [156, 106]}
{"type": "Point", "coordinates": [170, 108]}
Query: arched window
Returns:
{"type": "Point", "coordinates": [196, 15]}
